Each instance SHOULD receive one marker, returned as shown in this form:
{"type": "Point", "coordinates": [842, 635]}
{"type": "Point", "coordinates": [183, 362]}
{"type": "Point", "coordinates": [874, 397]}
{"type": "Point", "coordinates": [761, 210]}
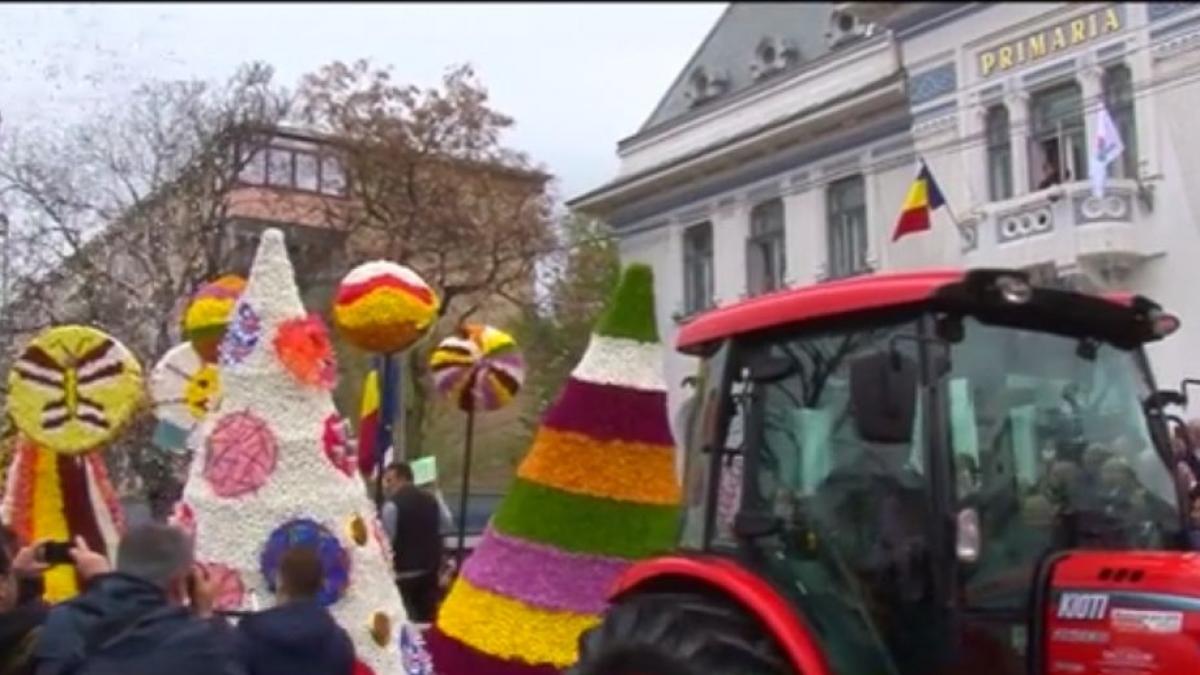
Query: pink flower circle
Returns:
{"type": "Point", "coordinates": [242, 453]}
{"type": "Point", "coordinates": [227, 584]}
{"type": "Point", "coordinates": [337, 446]}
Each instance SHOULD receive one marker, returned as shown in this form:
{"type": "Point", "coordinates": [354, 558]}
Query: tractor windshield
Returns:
{"type": "Point", "coordinates": [1052, 450]}
{"type": "Point", "coordinates": [1043, 434]}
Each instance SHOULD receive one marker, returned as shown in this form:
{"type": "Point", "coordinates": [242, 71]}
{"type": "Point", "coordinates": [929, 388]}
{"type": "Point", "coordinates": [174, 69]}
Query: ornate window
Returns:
{"type": "Point", "coordinates": [1118, 99]}
{"type": "Point", "coordinates": [765, 255]}
{"type": "Point", "coordinates": [846, 227]}
{"type": "Point", "coordinates": [697, 268]}
{"type": "Point", "coordinates": [1058, 144]}
{"type": "Point", "coordinates": [999, 153]}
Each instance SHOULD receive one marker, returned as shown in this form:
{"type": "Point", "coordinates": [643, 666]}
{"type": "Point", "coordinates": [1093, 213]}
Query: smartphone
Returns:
{"type": "Point", "coordinates": [56, 553]}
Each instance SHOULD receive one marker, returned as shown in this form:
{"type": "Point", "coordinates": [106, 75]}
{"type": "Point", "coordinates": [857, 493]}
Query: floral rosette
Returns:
{"type": "Point", "coordinates": [382, 307]}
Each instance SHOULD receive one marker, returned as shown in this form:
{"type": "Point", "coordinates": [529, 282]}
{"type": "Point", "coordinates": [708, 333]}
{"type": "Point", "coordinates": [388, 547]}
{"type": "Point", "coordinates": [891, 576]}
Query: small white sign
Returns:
{"type": "Point", "coordinates": [1146, 621]}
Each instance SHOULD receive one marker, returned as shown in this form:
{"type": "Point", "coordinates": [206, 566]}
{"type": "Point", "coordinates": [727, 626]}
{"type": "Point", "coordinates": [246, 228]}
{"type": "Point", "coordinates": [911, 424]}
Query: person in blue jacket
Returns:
{"type": "Point", "coordinates": [152, 616]}
{"type": "Point", "coordinates": [298, 636]}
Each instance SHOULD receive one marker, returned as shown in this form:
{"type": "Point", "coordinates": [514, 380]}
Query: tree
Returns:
{"type": "Point", "coordinates": [578, 281]}
{"type": "Point", "coordinates": [117, 220]}
{"type": "Point", "coordinates": [432, 187]}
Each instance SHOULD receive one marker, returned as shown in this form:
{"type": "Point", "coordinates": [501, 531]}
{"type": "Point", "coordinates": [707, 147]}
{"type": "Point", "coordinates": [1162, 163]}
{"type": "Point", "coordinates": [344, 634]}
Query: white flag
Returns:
{"type": "Point", "coordinates": [1106, 148]}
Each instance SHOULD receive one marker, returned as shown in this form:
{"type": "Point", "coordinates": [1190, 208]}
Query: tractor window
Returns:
{"type": "Point", "coordinates": [703, 427]}
{"type": "Point", "coordinates": [1053, 452]}
{"type": "Point", "coordinates": [840, 462]}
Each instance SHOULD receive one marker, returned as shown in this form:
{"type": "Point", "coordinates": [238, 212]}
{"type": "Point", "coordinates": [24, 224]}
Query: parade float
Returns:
{"type": "Point", "coordinates": [71, 391]}
{"type": "Point", "coordinates": [272, 471]}
{"type": "Point", "coordinates": [597, 491]}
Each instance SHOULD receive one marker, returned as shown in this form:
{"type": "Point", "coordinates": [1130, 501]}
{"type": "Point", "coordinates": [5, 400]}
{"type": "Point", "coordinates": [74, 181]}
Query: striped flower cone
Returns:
{"type": "Point", "coordinates": [597, 491]}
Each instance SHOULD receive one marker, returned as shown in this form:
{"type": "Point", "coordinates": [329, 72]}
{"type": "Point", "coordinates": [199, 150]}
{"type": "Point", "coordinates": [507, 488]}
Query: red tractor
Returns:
{"type": "Point", "coordinates": [916, 474]}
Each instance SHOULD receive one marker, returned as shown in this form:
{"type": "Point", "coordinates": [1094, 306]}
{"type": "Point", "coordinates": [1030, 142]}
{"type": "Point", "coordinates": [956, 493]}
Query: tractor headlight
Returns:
{"type": "Point", "coordinates": [1163, 324]}
{"type": "Point", "coordinates": [1013, 289]}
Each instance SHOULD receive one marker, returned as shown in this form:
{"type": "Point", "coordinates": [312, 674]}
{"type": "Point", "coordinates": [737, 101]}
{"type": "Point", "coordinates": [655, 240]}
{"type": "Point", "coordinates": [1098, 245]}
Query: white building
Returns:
{"type": "Point", "coordinates": [782, 153]}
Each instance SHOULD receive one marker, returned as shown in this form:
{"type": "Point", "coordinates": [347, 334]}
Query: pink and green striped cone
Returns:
{"type": "Point", "coordinates": [597, 491]}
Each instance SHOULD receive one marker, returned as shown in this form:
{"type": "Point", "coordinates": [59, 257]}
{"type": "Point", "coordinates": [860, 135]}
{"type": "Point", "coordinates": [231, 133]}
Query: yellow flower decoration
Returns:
{"type": "Point", "coordinates": [73, 388]}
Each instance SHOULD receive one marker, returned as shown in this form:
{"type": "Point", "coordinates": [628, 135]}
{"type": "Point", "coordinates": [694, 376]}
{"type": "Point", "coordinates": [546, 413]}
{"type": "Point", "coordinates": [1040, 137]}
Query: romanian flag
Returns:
{"type": "Point", "coordinates": [923, 197]}
{"type": "Point", "coordinates": [368, 424]}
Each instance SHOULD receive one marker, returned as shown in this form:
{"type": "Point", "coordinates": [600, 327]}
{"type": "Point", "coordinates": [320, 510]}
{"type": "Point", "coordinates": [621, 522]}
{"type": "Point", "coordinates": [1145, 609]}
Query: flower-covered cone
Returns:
{"type": "Point", "coordinates": [272, 472]}
{"type": "Point", "coordinates": [597, 491]}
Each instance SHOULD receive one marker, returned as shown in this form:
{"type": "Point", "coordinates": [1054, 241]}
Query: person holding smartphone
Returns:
{"type": "Point", "coordinates": [22, 611]}
{"type": "Point", "coordinates": [152, 615]}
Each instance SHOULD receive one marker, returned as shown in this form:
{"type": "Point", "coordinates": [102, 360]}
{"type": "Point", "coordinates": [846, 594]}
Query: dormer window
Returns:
{"type": "Point", "coordinates": [772, 56]}
{"type": "Point", "coordinates": [845, 28]}
{"type": "Point", "coordinates": [705, 85]}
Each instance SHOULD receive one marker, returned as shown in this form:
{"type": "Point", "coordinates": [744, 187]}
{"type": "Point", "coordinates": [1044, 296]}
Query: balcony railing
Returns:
{"type": "Point", "coordinates": [1066, 226]}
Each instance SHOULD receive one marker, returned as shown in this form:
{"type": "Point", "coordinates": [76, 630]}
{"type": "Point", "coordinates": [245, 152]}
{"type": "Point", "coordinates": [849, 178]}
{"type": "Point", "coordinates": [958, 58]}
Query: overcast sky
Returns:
{"type": "Point", "coordinates": [576, 77]}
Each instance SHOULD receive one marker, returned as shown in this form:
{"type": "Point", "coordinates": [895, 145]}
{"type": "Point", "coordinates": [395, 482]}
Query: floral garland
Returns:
{"type": "Point", "coordinates": [510, 629]}
{"type": "Point", "coordinates": [586, 524]}
{"type": "Point", "coordinates": [18, 496]}
{"type": "Point", "coordinates": [50, 522]}
{"type": "Point", "coordinates": [625, 471]}
{"type": "Point", "coordinates": [107, 493]}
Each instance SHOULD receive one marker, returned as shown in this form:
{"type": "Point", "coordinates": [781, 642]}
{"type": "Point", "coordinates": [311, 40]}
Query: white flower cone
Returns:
{"type": "Point", "coordinates": [304, 483]}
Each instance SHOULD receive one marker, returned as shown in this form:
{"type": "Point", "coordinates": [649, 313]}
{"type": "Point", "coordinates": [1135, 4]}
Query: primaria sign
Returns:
{"type": "Point", "coordinates": [1050, 40]}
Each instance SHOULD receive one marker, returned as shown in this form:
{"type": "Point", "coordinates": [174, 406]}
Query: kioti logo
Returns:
{"type": "Point", "coordinates": [1083, 606]}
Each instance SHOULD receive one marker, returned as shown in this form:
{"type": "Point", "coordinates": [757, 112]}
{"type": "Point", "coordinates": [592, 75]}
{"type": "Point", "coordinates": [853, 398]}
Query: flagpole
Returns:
{"type": "Point", "coordinates": [946, 202]}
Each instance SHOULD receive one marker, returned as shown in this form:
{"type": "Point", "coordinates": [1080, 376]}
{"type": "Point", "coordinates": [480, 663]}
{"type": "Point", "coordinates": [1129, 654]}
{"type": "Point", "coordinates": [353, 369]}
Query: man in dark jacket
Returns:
{"type": "Point", "coordinates": [153, 616]}
{"type": "Point", "coordinates": [413, 520]}
{"type": "Point", "coordinates": [297, 637]}
{"type": "Point", "coordinates": [22, 611]}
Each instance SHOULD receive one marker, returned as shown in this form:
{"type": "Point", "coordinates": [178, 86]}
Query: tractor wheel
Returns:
{"type": "Point", "coordinates": [678, 634]}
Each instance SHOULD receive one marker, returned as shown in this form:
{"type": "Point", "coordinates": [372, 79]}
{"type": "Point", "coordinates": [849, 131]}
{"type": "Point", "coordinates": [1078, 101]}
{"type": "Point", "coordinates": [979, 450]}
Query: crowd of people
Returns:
{"type": "Point", "coordinates": [150, 612]}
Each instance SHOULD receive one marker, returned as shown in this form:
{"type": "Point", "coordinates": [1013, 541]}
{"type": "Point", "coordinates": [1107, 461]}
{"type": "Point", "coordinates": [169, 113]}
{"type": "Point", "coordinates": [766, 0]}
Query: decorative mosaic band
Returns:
{"type": "Point", "coordinates": [607, 412]}
{"type": "Point", "coordinates": [542, 576]}
{"type": "Point", "coordinates": [510, 629]}
{"type": "Point", "coordinates": [622, 362]}
{"type": "Point", "coordinates": [452, 657]}
{"type": "Point", "coordinates": [584, 524]}
{"type": "Point", "coordinates": [619, 470]}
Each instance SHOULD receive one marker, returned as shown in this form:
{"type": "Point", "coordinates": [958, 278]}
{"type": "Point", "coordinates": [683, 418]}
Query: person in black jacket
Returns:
{"type": "Point", "coordinates": [22, 611]}
{"type": "Point", "coordinates": [413, 520]}
{"type": "Point", "coordinates": [152, 616]}
{"type": "Point", "coordinates": [298, 636]}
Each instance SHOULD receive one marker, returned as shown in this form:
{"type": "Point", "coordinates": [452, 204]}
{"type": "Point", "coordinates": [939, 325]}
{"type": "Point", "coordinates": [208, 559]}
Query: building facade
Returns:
{"type": "Point", "coordinates": [783, 152]}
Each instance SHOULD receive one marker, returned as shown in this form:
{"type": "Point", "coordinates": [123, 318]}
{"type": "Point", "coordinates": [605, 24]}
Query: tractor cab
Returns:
{"type": "Point", "coordinates": [900, 457]}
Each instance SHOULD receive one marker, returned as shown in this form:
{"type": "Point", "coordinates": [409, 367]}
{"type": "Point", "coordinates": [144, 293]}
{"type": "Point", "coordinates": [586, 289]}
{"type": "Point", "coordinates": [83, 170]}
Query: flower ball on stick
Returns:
{"type": "Point", "coordinates": [383, 307]}
{"type": "Point", "coordinates": [479, 368]}
{"type": "Point", "coordinates": [208, 314]}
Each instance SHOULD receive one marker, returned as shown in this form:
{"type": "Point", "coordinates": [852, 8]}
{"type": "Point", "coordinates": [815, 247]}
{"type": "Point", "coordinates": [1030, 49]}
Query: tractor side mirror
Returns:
{"type": "Point", "coordinates": [756, 525]}
{"type": "Point", "coordinates": [768, 369]}
{"type": "Point", "coordinates": [883, 391]}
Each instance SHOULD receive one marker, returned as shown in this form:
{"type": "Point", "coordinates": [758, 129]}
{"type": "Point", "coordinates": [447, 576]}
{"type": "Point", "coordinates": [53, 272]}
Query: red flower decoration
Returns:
{"type": "Point", "coordinates": [361, 668]}
{"type": "Point", "coordinates": [184, 518]}
{"type": "Point", "coordinates": [304, 348]}
{"type": "Point", "coordinates": [337, 446]}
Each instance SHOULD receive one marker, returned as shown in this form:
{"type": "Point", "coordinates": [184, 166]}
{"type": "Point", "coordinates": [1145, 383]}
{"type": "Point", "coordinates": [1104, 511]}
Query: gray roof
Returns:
{"type": "Point", "coordinates": [732, 45]}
